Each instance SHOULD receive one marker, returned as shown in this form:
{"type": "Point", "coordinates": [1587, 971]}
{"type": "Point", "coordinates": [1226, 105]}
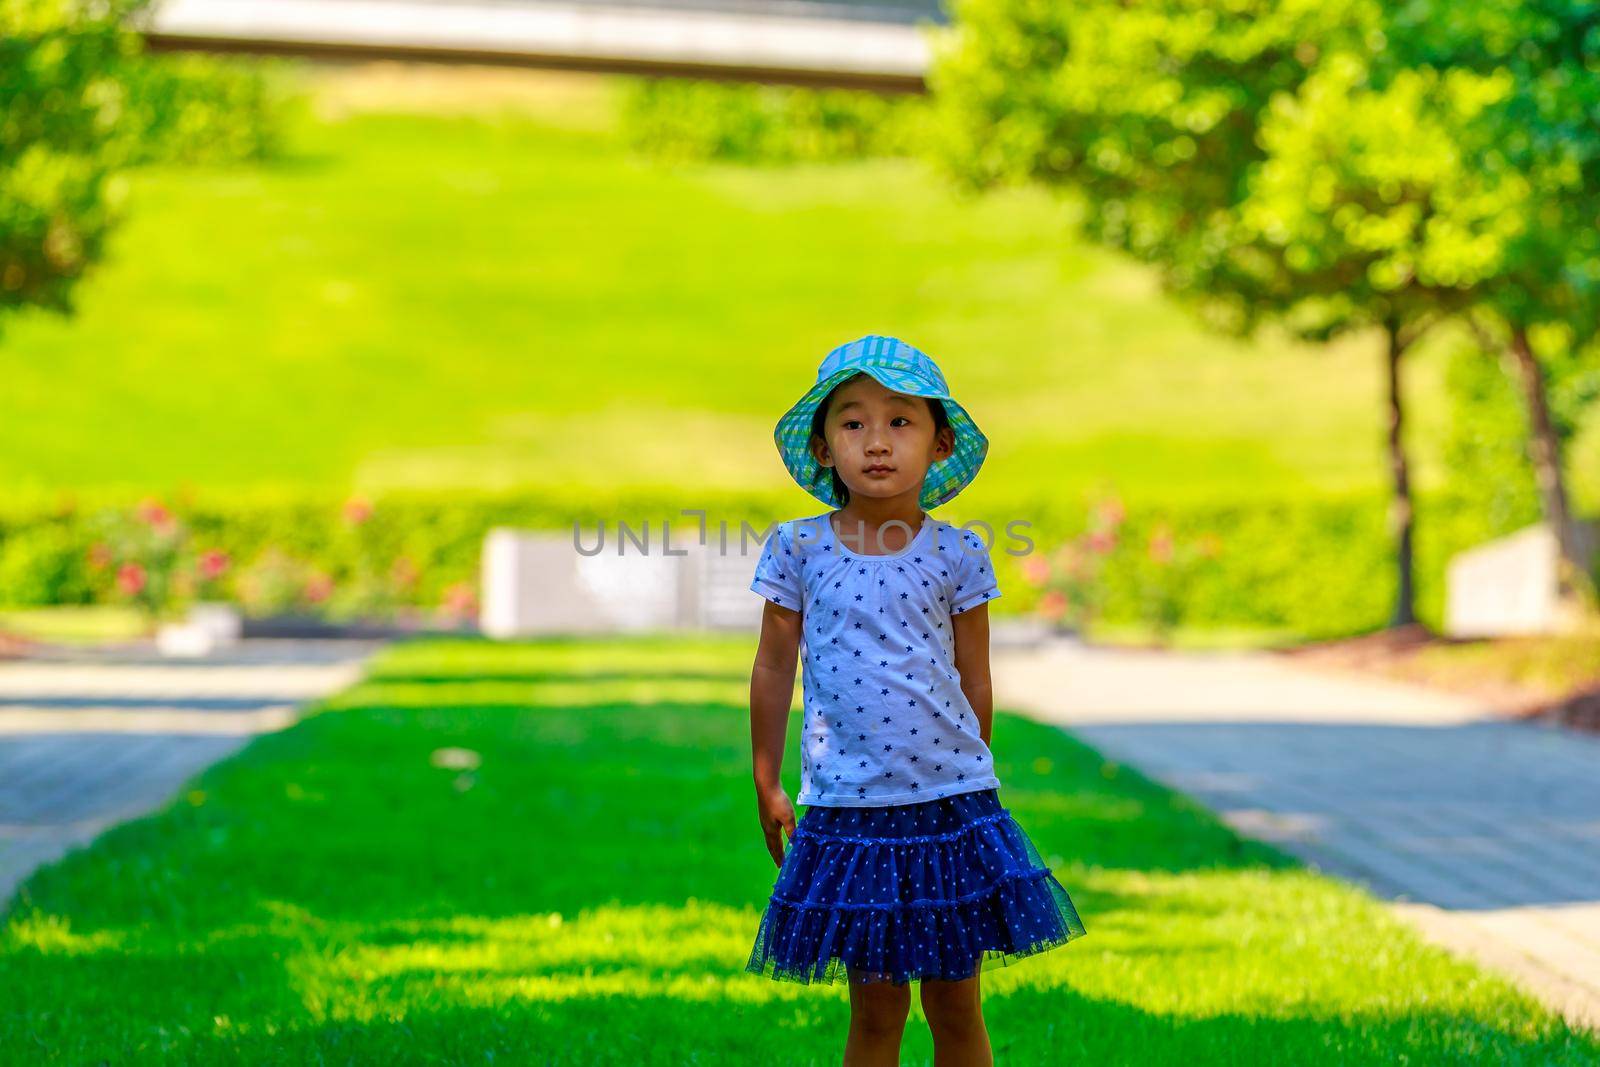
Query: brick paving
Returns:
{"type": "Point", "coordinates": [91, 738]}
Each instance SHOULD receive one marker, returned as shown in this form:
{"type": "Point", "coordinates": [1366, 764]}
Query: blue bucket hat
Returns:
{"type": "Point", "coordinates": [904, 369]}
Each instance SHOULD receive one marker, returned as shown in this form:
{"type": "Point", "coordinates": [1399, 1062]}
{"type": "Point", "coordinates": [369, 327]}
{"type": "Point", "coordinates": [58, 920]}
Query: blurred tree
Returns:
{"type": "Point", "coordinates": [79, 100]}
{"type": "Point", "coordinates": [61, 122]}
{"type": "Point", "coordinates": [1161, 116]}
{"type": "Point", "coordinates": [1539, 301]}
{"type": "Point", "coordinates": [1274, 160]}
{"type": "Point", "coordinates": [1378, 198]}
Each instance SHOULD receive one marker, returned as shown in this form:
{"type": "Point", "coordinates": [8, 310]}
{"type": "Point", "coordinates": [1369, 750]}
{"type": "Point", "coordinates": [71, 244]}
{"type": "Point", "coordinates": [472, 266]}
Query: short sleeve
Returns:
{"type": "Point", "coordinates": [974, 574]}
{"type": "Point", "coordinates": [777, 575]}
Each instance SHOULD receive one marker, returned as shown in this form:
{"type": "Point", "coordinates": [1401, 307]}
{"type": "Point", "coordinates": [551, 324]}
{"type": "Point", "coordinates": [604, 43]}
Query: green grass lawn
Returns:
{"type": "Point", "coordinates": [590, 894]}
{"type": "Point", "coordinates": [466, 280]}
{"type": "Point", "coordinates": [76, 624]}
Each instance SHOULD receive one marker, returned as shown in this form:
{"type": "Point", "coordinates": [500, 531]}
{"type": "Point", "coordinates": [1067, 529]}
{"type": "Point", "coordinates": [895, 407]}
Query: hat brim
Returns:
{"type": "Point", "coordinates": [946, 477]}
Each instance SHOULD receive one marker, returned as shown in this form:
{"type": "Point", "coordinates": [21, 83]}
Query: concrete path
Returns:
{"type": "Point", "coordinates": [1483, 832]}
{"type": "Point", "coordinates": [89, 739]}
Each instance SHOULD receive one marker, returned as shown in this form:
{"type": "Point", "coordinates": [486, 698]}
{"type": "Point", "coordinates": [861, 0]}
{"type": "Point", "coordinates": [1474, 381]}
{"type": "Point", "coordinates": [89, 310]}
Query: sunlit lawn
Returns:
{"type": "Point", "coordinates": [464, 279]}
{"type": "Point", "coordinates": [76, 624]}
{"type": "Point", "coordinates": [590, 893]}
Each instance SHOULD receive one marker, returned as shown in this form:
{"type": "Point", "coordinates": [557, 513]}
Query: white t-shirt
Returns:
{"type": "Point", "coordinates": [885, 719]}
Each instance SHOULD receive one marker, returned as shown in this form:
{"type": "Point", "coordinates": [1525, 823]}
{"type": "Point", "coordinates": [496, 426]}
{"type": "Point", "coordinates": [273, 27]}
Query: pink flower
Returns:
{"type": "Point", "coordinates": [1101, 541]}
{"type": "Point", "coordinates": [1036, 569]}
{"type": "Point", "coordinates": [213, 564]}
{"type": "Point", "coordinates": [1052, 605]}
{"type": "Point", "coordinates": [1071, 560]}
{"type": "Point", "coordinates": [151, 511]}
{"type": "Point", "coordinates": [131, 579]}
{"type": "Point", "coordinates": [99, 556]}
{"type": "Point", "coordinates": [404, 572]}
{"type": "Point", "coordinates": [318, 588]}
{"type": "Point", "coordinates": [357, 511]}
{"type": "Point", "coordinates": [1161, 545]}
{"type": "Point", "coordinates": [1111, 511]}
{"type": "Point", "coordinates": [461, 600]}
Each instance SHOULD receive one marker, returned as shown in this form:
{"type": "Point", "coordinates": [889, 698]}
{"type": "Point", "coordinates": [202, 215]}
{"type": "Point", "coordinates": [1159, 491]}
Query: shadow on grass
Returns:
{"type": "Point", "coordinates": [230, 1006]}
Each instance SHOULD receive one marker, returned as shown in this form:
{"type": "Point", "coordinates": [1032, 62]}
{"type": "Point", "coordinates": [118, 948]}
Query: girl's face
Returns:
{"type": "Point", "coordinates": [880, 441]}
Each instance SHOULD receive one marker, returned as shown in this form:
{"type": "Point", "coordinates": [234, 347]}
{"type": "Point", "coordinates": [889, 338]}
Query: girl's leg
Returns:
{"type": "Point", "coordinates": [955, 1015]}
{"type": "Point", "coordinates": [878, 1012]}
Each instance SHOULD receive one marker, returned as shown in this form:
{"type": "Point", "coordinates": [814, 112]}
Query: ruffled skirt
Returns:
{"type": "Point", "coordinates": [938, 889]}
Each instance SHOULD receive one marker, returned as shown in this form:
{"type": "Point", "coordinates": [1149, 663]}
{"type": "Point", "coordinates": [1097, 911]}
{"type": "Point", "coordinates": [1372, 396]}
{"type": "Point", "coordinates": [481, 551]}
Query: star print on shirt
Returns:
{"type": "Point", "coordinates": [929, 588]}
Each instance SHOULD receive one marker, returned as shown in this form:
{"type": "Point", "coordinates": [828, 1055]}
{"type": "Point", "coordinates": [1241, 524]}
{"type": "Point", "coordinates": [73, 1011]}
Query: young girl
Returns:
{"type": "Point", "coordinates": [905, 865]}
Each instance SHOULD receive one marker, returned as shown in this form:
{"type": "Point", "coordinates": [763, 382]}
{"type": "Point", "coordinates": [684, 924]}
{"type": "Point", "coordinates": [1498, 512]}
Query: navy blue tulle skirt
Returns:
{"type": "Point", "coordinates": [938, 889]}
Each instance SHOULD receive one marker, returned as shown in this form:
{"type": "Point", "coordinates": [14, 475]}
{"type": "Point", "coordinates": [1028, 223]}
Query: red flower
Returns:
{"type": "Point", "coordinates": [131, 579]}
{"type": "Point", "coordinates": [213, 564]}
{"type": "Point", "coordinates": [1053, 605]}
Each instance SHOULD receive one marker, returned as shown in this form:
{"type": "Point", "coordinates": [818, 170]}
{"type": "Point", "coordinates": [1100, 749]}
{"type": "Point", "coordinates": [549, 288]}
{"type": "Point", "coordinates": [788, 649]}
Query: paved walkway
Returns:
{"type": "Point", "coordinates": [89, 739]}
{"type": "Point", "coordinates": [1485, 833]}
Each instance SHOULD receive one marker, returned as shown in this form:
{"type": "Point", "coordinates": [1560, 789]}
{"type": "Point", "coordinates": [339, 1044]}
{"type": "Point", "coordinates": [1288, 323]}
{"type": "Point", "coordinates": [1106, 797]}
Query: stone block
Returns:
{"type": "Point", "coordinates": [537, 582]}
{"type": "Point", "coordinates": [1508, 586]}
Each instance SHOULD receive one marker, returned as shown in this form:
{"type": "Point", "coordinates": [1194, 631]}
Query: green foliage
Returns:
{"type": "Point", "coordinates": [146, 556]}
{"type": "Point", "coordinates": [1486, 442]}
{"type": "Point", "coordinates": [79, 101]}
{"type": "Point", "coordinates": [1311, 564]}
{"type": "Point", "coordinates": [1543, 61]}
{"type": "Point", "coordinates": [1153, 114]}
{"type": "Point", "coordinates": [1486, 439]}
{"type": "Point", "coordinates": [46, 562]}
{"type": "Point", "coordinates": [1331, 164]}
{"type": "Point", "coordinates": [195, 108]}
{"type": "Point", "coordinates": [60, 124]}
{"type": "Point", "coordinates": [691, 119]}
{"type": "Point", "coordinates": [1327, 166]}
{"type": "Point", "coordinates": [1314, 565]}
{"type": "Point", "coordinates": [1381, 200]}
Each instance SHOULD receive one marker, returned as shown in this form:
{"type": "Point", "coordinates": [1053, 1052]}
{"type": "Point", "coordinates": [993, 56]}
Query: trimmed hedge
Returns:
{"type": "Point", "coordinates": [192, 108]}
{"type": "Point", "coordinates": [695, 119]}
{"type": "Point", "coordinates": [1319, 566]}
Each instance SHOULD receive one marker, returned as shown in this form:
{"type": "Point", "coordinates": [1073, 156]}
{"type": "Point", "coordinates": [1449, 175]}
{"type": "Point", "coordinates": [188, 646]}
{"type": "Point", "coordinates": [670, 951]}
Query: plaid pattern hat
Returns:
{"type": "Point", "coordinates": [897, 366]}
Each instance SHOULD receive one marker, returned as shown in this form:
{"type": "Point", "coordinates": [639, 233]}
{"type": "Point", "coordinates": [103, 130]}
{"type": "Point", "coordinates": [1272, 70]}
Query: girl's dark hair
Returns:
{"type": "Point", "coordinates": [819, 420]}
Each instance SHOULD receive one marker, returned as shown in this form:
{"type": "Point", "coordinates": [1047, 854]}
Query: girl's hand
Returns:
{"type": "Point", "coordinates": [776, 813]}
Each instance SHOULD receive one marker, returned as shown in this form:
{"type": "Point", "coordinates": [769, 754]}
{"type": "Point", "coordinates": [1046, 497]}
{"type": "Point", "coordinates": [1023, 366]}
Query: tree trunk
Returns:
{"type": "Point", "coordinates": [1400, 506]}
{"type": "Point", "coordinates": [1544, 448]}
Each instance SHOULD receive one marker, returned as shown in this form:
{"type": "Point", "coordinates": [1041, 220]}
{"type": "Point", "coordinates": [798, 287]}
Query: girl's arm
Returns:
{"type": "Point", "coordinates": [971, 631]}
{"type": "Point", "coordinates": [771, 693]}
